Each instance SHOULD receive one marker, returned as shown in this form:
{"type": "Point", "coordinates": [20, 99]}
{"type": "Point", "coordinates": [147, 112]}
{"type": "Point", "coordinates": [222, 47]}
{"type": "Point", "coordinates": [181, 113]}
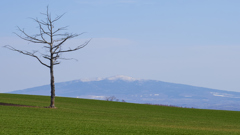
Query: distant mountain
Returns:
{"type": "Point", "coordinates": [143, 91]}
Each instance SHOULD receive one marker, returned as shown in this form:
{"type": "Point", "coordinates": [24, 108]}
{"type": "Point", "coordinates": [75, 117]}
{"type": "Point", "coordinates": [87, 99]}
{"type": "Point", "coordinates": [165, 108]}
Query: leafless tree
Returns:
{"type": "Point", "coordinates": [52, 40]}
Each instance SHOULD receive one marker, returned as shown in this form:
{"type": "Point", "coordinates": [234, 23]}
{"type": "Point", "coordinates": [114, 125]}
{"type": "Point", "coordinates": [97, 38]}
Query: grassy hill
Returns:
{"type": "Point", "coordinates": [87, 117]}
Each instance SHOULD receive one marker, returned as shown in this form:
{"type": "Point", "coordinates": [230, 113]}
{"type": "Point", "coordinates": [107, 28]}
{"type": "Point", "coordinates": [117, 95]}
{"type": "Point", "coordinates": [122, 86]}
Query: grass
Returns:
{"type": "Point", "coordinates": [93, 117]}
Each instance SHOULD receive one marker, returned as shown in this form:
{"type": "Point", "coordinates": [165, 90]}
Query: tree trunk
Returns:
{"type": "Point", "coordinates": [52, 105]}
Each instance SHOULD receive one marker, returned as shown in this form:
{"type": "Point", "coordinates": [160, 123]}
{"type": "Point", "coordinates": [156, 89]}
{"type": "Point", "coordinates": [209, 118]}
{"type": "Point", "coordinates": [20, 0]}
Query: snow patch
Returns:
{"type": "Point", "coordinates": [122, 77]}
{"type": "Point", "coordinates": [91, 80]}
{"type": "Point", "coordinates": [223, 95]}
{"type": "Point", "coordinates": [92, 97]}
{"type": "Point", "coordinates": [97, 97]}
{"type": "Point", "coordinates": [119, 77]}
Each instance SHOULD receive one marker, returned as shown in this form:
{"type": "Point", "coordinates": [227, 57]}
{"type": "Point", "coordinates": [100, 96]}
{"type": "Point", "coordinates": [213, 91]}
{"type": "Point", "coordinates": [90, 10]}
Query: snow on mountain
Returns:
{"type": "Point", "coordinates": [122, 77]}
{"type": "Point", "coordinates": [90, 80]}
{"type": "Point", "coordinates": [113, 78]}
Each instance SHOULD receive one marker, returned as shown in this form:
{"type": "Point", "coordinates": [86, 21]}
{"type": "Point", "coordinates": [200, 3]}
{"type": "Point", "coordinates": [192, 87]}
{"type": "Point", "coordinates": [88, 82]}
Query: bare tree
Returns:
{"type": "Point", "coordinates": [52, 41]}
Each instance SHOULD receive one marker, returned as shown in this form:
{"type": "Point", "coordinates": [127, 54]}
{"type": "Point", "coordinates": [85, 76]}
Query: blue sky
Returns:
{"type": "Point", "coordinates": [194, 42]}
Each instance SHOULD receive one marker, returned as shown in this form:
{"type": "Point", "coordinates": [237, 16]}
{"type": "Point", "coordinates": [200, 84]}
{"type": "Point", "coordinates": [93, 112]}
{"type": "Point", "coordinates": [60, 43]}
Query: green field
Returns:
{"type": "Point", "coordinates": [88, 117]}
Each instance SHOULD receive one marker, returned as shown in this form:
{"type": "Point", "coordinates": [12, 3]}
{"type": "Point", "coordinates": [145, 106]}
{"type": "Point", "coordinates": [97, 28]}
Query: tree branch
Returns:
{"type": "Point", "coordinates": [26, 53]}
{"type": "Point", "coordinates": [58, 17]}
{"type": "Point", "coordinates": [53, 46]}
{"type": "Point", "coordinates": [29, 38]}
{"type": "Point", "coordinates": [62, 28]}
{"type": "Point", "coordinates": [75, 49]}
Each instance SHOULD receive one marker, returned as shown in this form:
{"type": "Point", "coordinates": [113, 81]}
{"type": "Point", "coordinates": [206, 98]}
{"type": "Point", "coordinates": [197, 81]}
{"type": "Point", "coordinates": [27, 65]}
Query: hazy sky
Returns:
{"type": "Point", "coordinates": [194, 42]}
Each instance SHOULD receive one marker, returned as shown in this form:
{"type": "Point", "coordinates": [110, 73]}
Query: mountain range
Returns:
{"type": "Point", "coordinates": [128, 89]}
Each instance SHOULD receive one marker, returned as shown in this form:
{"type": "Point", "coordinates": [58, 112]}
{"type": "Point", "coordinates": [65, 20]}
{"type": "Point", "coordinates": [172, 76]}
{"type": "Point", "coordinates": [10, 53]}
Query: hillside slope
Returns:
{"type": "Point", "coordinates": [82, 116]}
